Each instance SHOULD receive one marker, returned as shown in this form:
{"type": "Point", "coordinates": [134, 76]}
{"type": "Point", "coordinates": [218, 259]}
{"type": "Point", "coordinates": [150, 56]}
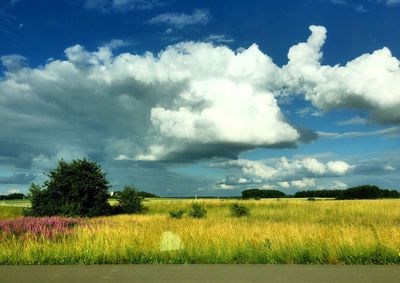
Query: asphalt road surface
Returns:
{"type": "Point", "coordinates": [200, 273]}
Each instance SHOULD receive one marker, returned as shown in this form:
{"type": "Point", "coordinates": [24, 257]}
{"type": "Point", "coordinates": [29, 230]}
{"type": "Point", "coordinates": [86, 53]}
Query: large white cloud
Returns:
{"type": "Point", "coordinates": [192, 100]}
{"type": "Point", "coordinates": [370, 82]}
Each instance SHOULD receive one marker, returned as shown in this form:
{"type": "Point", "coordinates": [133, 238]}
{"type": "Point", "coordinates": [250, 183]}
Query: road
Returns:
{"type": "Point", "coordinates": [200, 273]}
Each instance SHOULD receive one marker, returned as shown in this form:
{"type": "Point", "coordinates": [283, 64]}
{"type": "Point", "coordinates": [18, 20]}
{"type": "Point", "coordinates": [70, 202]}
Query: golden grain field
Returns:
{"type": "Point", "coordinates": [276, 231]}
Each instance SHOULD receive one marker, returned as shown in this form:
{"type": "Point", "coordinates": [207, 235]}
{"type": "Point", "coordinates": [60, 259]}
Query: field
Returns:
{"type": "Point", "coordinates": [294, 231]}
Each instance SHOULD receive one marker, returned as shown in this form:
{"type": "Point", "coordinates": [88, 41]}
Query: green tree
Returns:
{"type": "Point", "coordinates": [130, 200]}
{"type": "Point", "coordinates": [79, 188]}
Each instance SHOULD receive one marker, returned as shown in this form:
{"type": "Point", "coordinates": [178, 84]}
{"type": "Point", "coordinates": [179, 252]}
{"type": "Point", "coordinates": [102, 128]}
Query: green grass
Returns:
{"type": "Point", "coordinates": [293, 231]}
{"type": "Point", "coordinates": [15, 202]}
{"type": "Point", "coordinates": [7, 212]}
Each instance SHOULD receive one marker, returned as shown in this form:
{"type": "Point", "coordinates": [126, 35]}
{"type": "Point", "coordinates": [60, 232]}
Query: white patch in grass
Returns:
{"type": "Point", "coordinates": [170, 242]}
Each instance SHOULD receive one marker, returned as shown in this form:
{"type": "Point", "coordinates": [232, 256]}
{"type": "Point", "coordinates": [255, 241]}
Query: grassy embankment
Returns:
{"type": "Point", "coordinates": [284, 231]}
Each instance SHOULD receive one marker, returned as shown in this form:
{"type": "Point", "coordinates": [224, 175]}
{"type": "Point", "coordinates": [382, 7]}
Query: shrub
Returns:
{"type": "Point", "coordinates": [238, 210]}
{"type": "Point", "coordinates": [176, 213]}
{"type": "Point", "coordinates": [78, 188]}
{"type": "Point", "coordinates": [311, 199]}
{"type": "Point", "coordinates": [130, 201]}
{"type": "Point", "coordinates": [198, 210]}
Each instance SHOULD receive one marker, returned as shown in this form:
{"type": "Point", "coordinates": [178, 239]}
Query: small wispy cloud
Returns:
{"type": "Point", "coordinates": [345, 3]}
{"type": "Point", "coordinates": [122, 5]}
{"type": "Point", "coordinates": [219, 38]}
{"type": "Point", "coordinates": [353, 121]}
{"type": "Point", "coordinates": [387, 132]}
{"type": "Point", "coordinates": [309, 111]}
{"type": "Point", "coordinates": [391, 3]}
{"type": "Point", "coordinates": [8, 5]}
{"type": "Point", "coordinates": [338, 2]}
{"type": "Point", "coordinates": [181, 20]}
{"type": "Point", "coordinates": [361, 8]}
{"type": "Point", "coordinates": [116, 43]}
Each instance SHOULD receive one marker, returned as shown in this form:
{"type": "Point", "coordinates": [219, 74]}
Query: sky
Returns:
{"type": "Point", "coordinates": [206, 98]}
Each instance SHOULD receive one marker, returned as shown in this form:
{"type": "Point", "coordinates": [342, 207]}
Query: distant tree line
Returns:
{"type": "Point", "coordinates": [142, 194]}
{"type": "Point", "coordinates": [12, 196]}
{"type": "Point", "coordinates": [318, 193]}
{"type": "Point", "coordinates": [257, 193]}
{"type": "Point", "coordinates": [367, 192]}
{"type": "Point", "coordinates": [359, 192]}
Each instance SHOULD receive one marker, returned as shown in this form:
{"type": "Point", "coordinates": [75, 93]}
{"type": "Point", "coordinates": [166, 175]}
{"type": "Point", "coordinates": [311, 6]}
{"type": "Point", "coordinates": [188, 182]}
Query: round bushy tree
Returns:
{"type": "Point", "coordinates": [130, 200]}
{"type": "Point", "coordinates": [79, 188]}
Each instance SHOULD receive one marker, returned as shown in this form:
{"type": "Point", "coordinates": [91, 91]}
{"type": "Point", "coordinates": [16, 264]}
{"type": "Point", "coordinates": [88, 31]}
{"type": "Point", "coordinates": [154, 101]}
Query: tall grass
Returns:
{"type": "Point", "coordinates": [10, 212]}
{"type": "Point", "coordinates": [285, 231]}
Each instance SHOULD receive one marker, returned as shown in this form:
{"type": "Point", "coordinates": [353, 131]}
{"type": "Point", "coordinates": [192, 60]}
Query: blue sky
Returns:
{"type": "Point", "coordinates": [202, 97]}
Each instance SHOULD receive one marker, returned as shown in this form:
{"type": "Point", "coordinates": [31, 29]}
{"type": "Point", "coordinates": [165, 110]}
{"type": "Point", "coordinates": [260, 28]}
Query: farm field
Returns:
{"type": "Point", "coordinates": [292, 231]}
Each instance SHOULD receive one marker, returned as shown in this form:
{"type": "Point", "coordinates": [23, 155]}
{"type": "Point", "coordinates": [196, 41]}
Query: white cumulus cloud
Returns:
{"type": "Point", "coordinates": [338, 167]}
{"type": "Point", "coordinates": [370, 82]}
{"type": "Point", "coordinates": [190, 101]}
{"type": "Point", "coordinates": [305, 183]}
{"type": "Point", "coordinates": [282, 168]}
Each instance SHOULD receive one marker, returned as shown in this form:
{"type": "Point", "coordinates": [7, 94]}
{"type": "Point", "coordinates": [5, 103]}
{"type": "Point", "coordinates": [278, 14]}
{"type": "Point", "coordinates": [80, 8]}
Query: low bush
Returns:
{"type": "Point", "coordinates": [198, 210]}
{"type": "Point", "coordinates": [176, 213]}
{"type": "Point", "coordinates": [238, 210]}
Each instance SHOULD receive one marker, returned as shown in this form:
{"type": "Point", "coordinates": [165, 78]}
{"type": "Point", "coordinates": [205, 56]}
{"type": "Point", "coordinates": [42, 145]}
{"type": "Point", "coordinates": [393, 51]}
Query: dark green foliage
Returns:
{"type": "Point", "coordinates": [78, 188]}
{"type": "Point", "coordinates": [257, 193]}
{"type": "Point", "coordinates": [141, 193]}
{"type": "Point", "coordinates": [198, 210]}
{"type": "Point", "coordinates": [317, 193]}
{"type": "Point", "coordinates": [360, 192]}
{"type": "Point", "coordinates": [129, 200]}
{"type": "Point", "coordinates": [238, 210]}
{"type": "Point", "coordinates": [311, 199]}
{"type": "Point", "coordinates": [147, 195]}
{"type": "Point", "coordinates": [367, 192]}
{"type": "Point", "coordinates": [12, 196]}
{"type": "Point", "coordinates": [176, 213]}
